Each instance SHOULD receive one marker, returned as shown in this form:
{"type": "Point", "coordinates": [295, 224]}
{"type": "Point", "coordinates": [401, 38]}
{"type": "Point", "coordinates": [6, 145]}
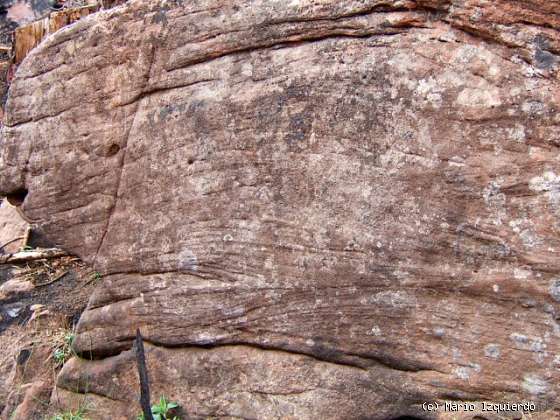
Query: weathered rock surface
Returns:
{"type": "Point", "coordinates": [12, 229]}
{"type": "Point", "coordinates": [310, 208]}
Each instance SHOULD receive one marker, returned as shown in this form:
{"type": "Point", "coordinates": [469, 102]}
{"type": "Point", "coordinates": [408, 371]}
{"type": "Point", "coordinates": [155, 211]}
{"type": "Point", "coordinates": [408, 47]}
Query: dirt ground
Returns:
{"type": "Point", "coordinates": [38, 313]}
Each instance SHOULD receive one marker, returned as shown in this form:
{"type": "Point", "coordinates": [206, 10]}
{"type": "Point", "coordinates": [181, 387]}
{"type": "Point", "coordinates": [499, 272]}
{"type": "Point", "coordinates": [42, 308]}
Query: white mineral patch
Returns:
{"type": "Point", "coordinates": [517, 133]}
{"type": "Point", "coordinates": [535, 345]}
{"type": "Point", "coordinates": [461, 373]}
{"type": "Point", "coordinates": [495, 200]}
{"type": "Point", "coordinates": [534, 384]}
{"type": "Point", "coordinates": [548, 183]}
{"type": "Point", "coordinates": [487, 97]}
{"type": "Point", "coordinates": [492, 351]}
{"type": "Point", "coordinates": [533, 107]}
{"type": "Point", "coordinates": [456, 353]}
{"type": "Point", "coordinates": [235, 311]}
{"type": "Point", "coordinates": [397, 299]}
{"type": "Point", "coordinates": [465, 372]}
{"type": "Point", "coordinates": [521, 273]}
{"type": "Point", "coordinates": [439, 332]}
{"type": "Point", "coordinates": [514, 224]}
{"type": "Point", "coordinates": [529, 238]}
{"type": "Point", "coordinates": [430, 90]}
{"type": "Point", "coordinates": [403, 63]}
{"type": "Point", "coordinates": [187, 260]}
{"type": "Point", "coordinates": [554, 289]}
{"type": "Point", "coordinates": [519, 338]}
{"type": "Point", "coordinates": [205, 338]}
{"type": "Point", "coordinates": [376, 331]}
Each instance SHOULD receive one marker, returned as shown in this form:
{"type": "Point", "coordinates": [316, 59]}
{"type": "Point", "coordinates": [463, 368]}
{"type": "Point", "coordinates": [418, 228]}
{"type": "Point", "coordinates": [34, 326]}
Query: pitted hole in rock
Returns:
{"type": "Point", "coordinates": [112, 150]}
{"type": "Point", "coordinates": [190, 161]}
{"type": "Point", "coordinates": [22, 356]}
{"type": "Point", "coordinates": [17, 197]}
{"type": "Point", "coordinates": [406, 418]}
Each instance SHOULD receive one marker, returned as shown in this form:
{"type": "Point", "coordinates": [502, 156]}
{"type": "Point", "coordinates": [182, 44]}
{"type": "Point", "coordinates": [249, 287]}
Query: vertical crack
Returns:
{"type": "Point", "coordinates": [124, 148]}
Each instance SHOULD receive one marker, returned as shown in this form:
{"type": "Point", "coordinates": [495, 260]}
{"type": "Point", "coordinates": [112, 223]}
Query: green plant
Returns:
{"type": "Point", "coordinates": [64, 350]}
{"type": "Point", "coordinates": [161, 410]}
{"type": "Point", "coordinates": [70, 415]}
{"type": "Point", "coordinates": [96, 275]}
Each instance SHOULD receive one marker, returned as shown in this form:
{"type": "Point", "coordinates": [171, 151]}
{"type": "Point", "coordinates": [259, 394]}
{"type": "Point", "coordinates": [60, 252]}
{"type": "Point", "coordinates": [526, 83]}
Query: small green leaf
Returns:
{"type": "Point", "coordinates": [160, 410]}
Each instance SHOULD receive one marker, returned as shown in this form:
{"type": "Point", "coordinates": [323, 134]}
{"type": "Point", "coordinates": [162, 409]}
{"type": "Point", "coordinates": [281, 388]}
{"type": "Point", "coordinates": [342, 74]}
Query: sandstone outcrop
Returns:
{"type": "Point", "coordinates": [13, 229]}
{"type": "Point", "coordinates": [309, 208]}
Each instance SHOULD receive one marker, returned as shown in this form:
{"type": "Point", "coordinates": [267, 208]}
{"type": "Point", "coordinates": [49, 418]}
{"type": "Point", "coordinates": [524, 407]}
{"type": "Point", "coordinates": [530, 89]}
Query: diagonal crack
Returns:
{"type": "Point", "coordinates": [122, 160]}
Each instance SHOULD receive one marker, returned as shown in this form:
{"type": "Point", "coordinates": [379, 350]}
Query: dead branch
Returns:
{"type": "Point", "coordinates": [143, 374]}
{"type": "Point", "coordinates": [53, 280]}
{"type": "Point", "coordinates": [32, 255]}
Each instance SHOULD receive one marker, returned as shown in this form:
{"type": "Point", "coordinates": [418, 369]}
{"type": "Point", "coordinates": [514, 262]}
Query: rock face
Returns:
{"type": "Point", "coordinates": [311, 209]}
{"type": "Point", "coordinates": [12, 229]}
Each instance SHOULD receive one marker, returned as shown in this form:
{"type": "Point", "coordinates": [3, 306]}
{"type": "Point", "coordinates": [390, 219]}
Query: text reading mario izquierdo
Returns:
{"type": "Point", "coordinates": [455, 407]}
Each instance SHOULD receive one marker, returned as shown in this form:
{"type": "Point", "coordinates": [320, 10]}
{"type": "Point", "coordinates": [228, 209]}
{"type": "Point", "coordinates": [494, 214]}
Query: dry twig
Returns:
{"type": "Point", "coordinates": [32, 255]}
